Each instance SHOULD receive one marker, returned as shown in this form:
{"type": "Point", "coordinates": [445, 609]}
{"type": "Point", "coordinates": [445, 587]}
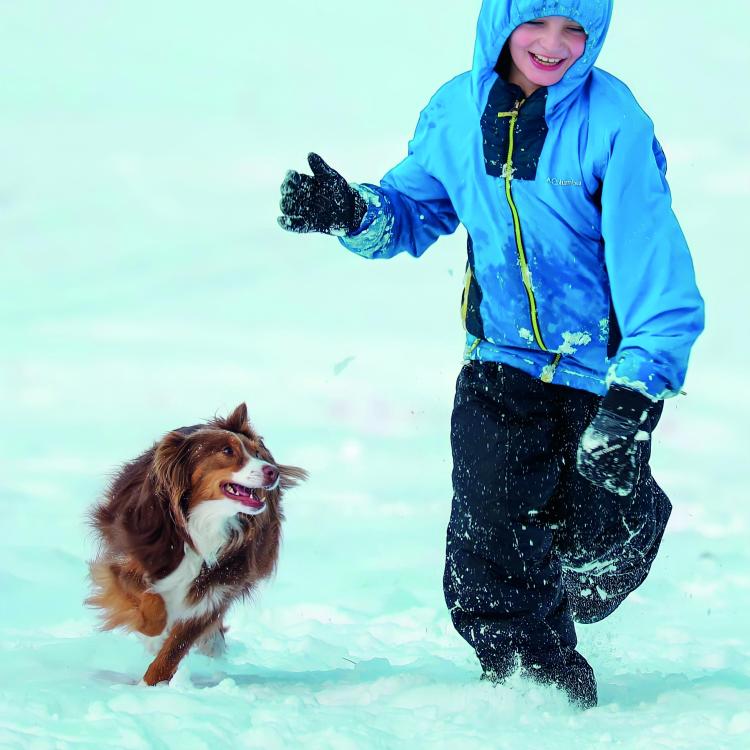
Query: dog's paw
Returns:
{"type": "Point", "coordinates": [149, 681]}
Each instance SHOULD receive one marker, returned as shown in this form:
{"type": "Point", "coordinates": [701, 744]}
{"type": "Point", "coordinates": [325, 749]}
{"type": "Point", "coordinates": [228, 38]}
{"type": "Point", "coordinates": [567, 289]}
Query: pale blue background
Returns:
{"type": "Point", "coordinates": [145, 285]}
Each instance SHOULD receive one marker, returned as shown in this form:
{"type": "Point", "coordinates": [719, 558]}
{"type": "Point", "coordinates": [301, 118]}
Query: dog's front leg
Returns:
{"type": "Point", "coordinates": [181, 637]}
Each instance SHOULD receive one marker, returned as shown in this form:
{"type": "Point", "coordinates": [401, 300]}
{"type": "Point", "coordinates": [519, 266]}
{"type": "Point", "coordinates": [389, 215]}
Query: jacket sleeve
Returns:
{"type": "Point", "coordinates": [407, 212]}
{"type": "Point", "coordinates": [652, 281]}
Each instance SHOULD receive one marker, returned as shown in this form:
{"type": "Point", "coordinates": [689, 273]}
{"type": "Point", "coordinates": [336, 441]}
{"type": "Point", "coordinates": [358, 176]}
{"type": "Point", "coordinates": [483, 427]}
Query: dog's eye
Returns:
{"type": "Point", "coordinates": [227, 450]}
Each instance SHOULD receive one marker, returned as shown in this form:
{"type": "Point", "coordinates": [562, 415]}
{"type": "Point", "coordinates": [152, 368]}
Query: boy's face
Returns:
{"type": "Point", "coordinates": [543, 50]}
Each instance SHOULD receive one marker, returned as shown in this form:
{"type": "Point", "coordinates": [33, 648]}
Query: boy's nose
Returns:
{"type": "Point", "coordinates": [553, 44]}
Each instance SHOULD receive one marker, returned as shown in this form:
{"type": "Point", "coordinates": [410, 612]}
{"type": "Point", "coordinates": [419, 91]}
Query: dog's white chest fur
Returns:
{"type": "Point", "coordinates": [209, 527]}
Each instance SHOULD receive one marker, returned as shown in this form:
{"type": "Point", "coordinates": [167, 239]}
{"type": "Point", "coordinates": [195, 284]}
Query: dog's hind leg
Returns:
{"type": "Point", "coordinates": [153, 613]}
{"type": "Point", "coordinates": [120, 591]}
{"type": "Point", "coordinates": [213, 643]}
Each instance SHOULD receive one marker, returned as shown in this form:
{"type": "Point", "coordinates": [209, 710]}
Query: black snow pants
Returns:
{"type": "Point", "coordinates": [532, 545]}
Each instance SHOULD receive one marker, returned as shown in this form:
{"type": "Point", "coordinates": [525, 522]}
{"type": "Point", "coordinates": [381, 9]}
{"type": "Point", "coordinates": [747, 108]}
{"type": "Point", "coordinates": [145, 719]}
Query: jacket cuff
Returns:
{"type": "Point", "coordinates": [634, 370]}
{"type": "Point", "coordinates": [372, 237]}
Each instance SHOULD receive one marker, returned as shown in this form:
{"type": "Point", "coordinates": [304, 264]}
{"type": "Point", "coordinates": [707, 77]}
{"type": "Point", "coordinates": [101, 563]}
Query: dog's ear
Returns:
{"type": "Point", "coordinates": [291, 476]}
{"type": "Point", "coordinates": [237, 420]}
{"type": "Point", "coordinates": [171, 475]}
{"type": "Point", "coordinates": [139, 516]}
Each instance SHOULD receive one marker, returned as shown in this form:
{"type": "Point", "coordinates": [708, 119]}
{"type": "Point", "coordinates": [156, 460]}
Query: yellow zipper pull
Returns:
{"type": "Point", "coordinates": [513, 113]}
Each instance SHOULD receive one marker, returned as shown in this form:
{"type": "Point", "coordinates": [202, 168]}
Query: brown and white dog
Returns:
{"type": "Point", "coordinates": [186, 529]}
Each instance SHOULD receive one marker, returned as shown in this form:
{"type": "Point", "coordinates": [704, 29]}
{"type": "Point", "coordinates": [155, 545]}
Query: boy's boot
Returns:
{"type": "Point", "coordinates": [573, 675]}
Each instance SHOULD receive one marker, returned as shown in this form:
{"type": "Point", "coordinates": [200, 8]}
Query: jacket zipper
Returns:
{"type": "Point", "coordinates": [508, 170]}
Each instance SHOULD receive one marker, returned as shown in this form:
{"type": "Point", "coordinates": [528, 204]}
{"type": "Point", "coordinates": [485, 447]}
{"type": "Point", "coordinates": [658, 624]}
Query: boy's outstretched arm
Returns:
{"type": "Point", "coordinates": [371, 221]}
{"type": "Point", "coordinates": [658, 306]}
{"type": "Point", "coordinates": [407, 212]}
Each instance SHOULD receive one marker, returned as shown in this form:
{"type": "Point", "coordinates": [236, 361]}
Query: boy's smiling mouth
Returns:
{"type": "Point", "coordinates": [546, 63]}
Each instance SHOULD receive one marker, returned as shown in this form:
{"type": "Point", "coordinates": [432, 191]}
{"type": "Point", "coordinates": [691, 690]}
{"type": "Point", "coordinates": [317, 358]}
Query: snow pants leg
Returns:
{"type": "Point", "coordinates": [521, 514]}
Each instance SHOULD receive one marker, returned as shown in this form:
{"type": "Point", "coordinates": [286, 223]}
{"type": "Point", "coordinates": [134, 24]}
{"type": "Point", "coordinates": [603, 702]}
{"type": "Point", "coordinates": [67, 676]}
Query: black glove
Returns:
{"type": "Point", "coordinates": [323, 202]}
{"type": "Point", "coordinates": [607, 451]}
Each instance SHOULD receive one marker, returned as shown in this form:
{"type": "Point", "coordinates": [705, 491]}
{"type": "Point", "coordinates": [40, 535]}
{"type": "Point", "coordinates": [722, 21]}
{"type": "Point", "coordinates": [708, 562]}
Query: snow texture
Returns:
{"type": "Point", "coordinates": [146, 285]}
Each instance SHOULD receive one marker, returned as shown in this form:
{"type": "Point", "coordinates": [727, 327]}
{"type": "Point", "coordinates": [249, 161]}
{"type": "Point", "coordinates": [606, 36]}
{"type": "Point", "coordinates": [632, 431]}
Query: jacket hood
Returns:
{"type": "Point", "coordinates": [498, 19]}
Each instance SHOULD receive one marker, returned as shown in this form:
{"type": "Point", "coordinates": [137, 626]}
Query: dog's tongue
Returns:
{"type": "Point", "coordinates": [247, 497]}
{"type": "Point", "coordinates": [251, 501]}
{"type": "Point", "coordinates": [244, 495]}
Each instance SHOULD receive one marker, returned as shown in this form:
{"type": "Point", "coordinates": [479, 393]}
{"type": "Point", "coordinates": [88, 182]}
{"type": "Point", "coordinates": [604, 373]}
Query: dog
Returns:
{"type": "Point", "coordinates": [185, 530]}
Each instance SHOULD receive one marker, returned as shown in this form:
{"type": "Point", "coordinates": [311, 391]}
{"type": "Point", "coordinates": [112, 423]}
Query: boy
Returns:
{"type": "Point", "coordinates": [580, 309]}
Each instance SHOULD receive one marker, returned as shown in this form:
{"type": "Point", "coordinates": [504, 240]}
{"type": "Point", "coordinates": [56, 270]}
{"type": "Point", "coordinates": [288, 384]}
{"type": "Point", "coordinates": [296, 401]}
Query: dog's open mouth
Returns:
{"type": "Point", "coordinates": [244, 495]}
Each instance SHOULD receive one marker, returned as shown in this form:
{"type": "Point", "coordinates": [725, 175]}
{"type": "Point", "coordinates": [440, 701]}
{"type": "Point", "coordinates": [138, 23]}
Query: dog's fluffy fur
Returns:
{"type": "Point", "coordinates": [185, 529]}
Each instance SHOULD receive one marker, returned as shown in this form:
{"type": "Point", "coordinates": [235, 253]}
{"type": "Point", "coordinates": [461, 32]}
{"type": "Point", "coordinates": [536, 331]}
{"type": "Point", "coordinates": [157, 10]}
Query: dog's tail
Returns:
{"type": "Point", "coordinates": [122, 596]}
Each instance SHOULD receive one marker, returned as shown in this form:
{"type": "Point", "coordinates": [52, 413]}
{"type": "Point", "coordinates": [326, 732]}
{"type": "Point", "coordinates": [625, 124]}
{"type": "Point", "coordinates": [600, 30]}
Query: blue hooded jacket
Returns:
{"type": "Point", "coordinates": [578, 272]}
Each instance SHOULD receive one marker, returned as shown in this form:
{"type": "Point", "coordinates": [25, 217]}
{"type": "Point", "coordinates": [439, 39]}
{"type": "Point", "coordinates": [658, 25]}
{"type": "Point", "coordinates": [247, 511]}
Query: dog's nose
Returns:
{"type": "Point", "coordinates": [270, 474]}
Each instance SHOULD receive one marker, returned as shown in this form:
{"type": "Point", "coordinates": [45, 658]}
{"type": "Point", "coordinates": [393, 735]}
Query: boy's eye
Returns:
{"type": "Point", "coordinates": [576, 29]}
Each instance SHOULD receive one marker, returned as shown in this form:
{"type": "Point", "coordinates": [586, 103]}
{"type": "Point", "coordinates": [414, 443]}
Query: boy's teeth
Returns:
{"type": "Point", "coordinates": [548, 60]}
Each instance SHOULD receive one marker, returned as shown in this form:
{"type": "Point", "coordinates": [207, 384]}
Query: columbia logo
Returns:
{"type": "Point", "coordinates": [563, 183]}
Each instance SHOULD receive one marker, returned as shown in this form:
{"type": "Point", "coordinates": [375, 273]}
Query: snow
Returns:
{"type": "Point", "coordinates": [146, 286]}
{"type": "Point", "coordinates": [571, 341]}
{"type": "Point", "coordinates": [526, 334]}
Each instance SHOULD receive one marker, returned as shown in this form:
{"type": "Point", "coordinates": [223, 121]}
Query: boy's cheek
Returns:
{"type": "Point", "coordinates": [577, 50]}
{"type": "Point", "coordinates": [520, 37]}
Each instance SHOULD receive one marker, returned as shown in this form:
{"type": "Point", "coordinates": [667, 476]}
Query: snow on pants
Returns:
{"type": "Point", "coordinates": [522, 513]}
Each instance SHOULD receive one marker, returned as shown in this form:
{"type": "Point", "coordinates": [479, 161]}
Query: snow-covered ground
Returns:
{"type": "Point", "coordinates": [145, 285]}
